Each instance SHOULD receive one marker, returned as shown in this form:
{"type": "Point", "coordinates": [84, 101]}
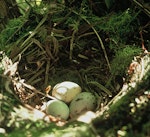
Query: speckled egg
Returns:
{"type": "Point", "coordinates": [85, 101]}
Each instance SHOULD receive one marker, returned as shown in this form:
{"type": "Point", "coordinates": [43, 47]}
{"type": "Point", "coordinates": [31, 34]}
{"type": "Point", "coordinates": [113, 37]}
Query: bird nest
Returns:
{"type": "Point", "coordinates": [32, 98]}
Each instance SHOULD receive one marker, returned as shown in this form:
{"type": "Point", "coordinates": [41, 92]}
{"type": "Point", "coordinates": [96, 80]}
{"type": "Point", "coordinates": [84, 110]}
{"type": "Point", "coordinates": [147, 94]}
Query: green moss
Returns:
{"type": "Point", "coordinates": [71, 130]}
{"type": "Point", "coordinates": [122, 59]}
{"type": "Point", "coordinates": [7, 35]}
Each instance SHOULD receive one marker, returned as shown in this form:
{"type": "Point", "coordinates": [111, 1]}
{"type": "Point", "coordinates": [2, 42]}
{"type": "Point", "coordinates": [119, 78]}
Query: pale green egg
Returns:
{"type": "Point", "coordinates": [57, 108]}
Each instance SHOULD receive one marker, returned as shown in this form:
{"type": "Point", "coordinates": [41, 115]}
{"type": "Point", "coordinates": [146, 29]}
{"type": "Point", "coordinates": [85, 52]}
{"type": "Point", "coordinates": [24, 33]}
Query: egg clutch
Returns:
{"type": "Point", "coordinates": [70, 101]}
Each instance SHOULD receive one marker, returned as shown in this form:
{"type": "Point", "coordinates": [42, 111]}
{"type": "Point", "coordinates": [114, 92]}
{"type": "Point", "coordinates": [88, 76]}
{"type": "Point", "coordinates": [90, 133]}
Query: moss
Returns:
{"type": "Point", "coordinates": [123, 58]}
{"type": "Point", "coordinates": [75, 129]}
{"type": "Point", "coordinates": [11, 30]}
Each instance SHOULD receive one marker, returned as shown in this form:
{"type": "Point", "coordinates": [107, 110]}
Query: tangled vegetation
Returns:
{"type": "Point", "coordinates": [92, 43]}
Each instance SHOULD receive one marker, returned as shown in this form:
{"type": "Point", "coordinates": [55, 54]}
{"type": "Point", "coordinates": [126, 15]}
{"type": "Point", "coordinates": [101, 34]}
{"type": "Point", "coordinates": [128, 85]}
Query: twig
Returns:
{"type": "Point", "coordinates": [36, 91]}
{"type": "Point", "coordinates": [143, 7]}
{"type": "Point", "coordinates": [46, 73]}
{"type": "Point", "coordinates": [99, 38]}
{"type": "Point", "coordinates": [24, 44]}
{"type": "Point", "coordinates": [72, 44]}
